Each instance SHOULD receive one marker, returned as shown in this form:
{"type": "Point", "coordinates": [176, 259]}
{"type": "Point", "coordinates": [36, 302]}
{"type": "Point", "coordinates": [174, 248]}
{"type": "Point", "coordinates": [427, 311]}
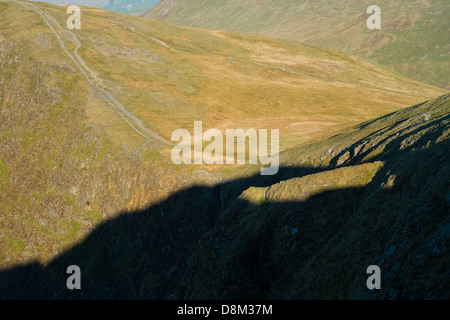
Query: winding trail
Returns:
{"type": "Point", "coordinates": [133, 29]}
{"type": "Point", "coordinates": [92, 77]}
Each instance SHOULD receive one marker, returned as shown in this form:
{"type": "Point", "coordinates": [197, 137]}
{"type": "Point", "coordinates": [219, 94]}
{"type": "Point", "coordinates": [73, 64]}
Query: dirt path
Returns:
{"type": "Point", "coordinates": [134, 122]}
{"type": "Point", "coordinates": [133, 29]}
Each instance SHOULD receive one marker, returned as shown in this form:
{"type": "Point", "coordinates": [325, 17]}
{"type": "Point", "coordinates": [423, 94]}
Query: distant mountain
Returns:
{"type": "Point", "coordinates": [414, 38]}
{"type": "Point", "coordinates": [130, 6]}
{"type": "Point", "coordinates": [136, 7]}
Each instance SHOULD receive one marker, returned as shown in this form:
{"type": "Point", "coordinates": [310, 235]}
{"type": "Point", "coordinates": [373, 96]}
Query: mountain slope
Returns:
{"type": "Point", "coordinates": [413, 40]}
{"type": "Point", "coordinates": [376, 196]}
{"type": "Point", "coordinates": [179, 75]}
{"type": "Point", "coordinates": [67, 157]}
{"type": "Point", "coordinates": [308, 233]}
{"type": "Point", "coordinates": [85, 119]}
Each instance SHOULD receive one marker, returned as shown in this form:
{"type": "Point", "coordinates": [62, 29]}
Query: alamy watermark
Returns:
{"type": "Point", "coordinates": [374, 281]}
{"type": "Point", "coordinates": [74, 21]}
{"type": "Point", "coordinates": [374, 21]}
{"type": "Point", "coordinates": [74, 281]}
{"type": "Point", "coordinates": [235, 146]}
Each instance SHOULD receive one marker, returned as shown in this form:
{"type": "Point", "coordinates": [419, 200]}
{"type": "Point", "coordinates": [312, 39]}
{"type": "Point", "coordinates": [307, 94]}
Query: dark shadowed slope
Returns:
{"type": "Point", "coordinates": [310, 232]}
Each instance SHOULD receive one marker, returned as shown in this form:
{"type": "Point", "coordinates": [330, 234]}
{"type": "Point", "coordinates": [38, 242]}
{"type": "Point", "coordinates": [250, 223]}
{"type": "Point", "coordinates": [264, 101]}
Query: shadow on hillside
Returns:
{"type": "Point", "coordinates": [204, 242]}
{"type": "Point", "coordinates": [394, 145]}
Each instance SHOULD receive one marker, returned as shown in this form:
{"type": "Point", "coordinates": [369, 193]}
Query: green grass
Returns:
{"type": "Point", "coordinates": [409, 31]}
{"type": "Point", "coordinates": [14, 246]}
{"type": "Point", "coordinates": [4, 174]}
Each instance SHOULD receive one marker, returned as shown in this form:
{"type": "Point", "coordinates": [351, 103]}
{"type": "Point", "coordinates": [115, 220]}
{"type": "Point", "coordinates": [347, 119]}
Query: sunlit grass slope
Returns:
{"type": "Point", "coordinates": [170, 76]}
{"type": "Point", "coordinates": [413, 40]}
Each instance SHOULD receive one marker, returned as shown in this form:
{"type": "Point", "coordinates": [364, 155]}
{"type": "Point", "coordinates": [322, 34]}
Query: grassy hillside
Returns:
{"type": "Point", "coordinates": [413, 40]}
{"type": "Point", "coordinates": [85, 116]}
{"type": "Point", "coordinates": [169, 76]}
{"type": "Point", "coordinates": [378, 194]}
{"type": "Point", "coordinates": [67, 160]}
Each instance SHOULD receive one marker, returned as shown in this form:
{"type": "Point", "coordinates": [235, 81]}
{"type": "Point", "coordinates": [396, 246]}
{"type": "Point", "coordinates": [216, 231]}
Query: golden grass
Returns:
{"type": "Point", "coordinates": [236, 81]}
